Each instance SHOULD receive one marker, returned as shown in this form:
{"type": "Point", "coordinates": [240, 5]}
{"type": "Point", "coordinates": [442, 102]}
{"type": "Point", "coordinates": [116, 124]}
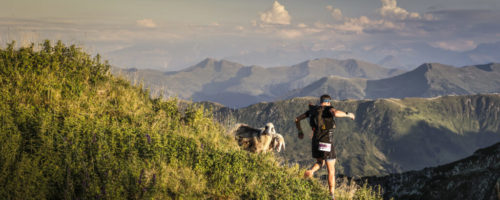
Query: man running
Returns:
{"type": "Point", "coordinates": [321, 119]}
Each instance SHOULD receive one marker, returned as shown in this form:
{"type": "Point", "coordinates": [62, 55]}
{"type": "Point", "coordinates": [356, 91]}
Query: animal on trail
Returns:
{"type": "Point", "coordinates": [258, 140]}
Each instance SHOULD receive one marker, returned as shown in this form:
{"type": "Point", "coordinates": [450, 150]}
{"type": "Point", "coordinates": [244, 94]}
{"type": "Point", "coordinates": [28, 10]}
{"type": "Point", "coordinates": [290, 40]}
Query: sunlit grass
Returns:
{"type": "Point", "coordinates": [71, 130]}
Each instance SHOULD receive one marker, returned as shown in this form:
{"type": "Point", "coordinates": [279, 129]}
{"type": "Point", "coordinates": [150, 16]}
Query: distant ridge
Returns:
{"type": "Point", "coordinates": [389, 135]}
{"type": "Point", "coordinates": [236, 85]}
{"type": "Point", "coordinates": [427, 80]}
{"type": "Point", "coordinates": [337, 87]}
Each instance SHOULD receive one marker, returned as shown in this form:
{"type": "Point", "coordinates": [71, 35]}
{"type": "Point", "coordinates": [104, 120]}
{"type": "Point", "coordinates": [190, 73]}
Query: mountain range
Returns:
{"type": "Point", "coordinates": [394, 56]}
{"type": "Point", "coordinates": [235, 85]}
{"type": "Point", "coordinates": [428, 80]}
{"type": "Point", "coordinates": [388, 135]}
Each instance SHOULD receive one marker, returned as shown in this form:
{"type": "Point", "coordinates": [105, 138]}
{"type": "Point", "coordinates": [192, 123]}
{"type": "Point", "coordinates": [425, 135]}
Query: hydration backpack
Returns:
{"type": "Point", "coordinates": [320, 118]}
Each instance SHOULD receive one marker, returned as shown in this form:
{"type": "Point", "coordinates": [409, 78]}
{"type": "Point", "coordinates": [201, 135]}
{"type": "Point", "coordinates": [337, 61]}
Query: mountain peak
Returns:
{"type": "Point", "coordinates": [426, 67]}
{"type": "Point", "coordinates": [209, 60]}
{"type": "Point", "coordinates": [486, 67]}
{"type": "Point", "coordinates": [216, 61]}
{"type": "Point", "coordinates": [323, 61]}
{"type": "Point", "coordinates": [212, 63]}
{"type": "Point", "coordinates": [329, 62]}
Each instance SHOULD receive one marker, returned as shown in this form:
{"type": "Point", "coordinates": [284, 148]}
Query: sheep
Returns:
{"type": "Point", "coordinates": [258, 140]}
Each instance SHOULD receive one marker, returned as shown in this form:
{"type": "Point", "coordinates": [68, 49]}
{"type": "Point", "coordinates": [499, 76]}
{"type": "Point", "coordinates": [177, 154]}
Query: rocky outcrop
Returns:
{"type": "Point", "coordinates": [476, 177]}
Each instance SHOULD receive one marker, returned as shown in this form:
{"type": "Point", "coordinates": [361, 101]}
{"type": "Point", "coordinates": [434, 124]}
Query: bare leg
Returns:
{"type": "Point", "coordinates": [330, 164]}
{"type": "Point", "coordinates": [319, 163]}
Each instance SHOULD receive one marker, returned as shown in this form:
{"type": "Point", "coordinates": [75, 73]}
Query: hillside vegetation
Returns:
{"type": "Point", "coordinates": [388, 135]}
{"type": "Point", "coordinates": [70, 130]}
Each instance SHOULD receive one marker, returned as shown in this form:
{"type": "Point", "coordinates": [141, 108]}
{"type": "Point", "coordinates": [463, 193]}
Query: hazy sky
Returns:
{"type": "Point", "coordinates": [170, 35]}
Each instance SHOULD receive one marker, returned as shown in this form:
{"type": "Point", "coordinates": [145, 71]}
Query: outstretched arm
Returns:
{"type": "Point", "coordinates": [297, 124]}
{"type": "Point", "coordinates": [339, 113]}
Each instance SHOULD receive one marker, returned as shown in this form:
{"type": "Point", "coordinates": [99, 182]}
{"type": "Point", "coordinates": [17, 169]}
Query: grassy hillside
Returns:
{"type": "Point", "coordinates": [388, 135]}
{"type": "Point", "coordinates": [70, 130]}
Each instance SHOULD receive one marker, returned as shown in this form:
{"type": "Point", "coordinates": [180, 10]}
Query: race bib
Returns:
{"type": "Point", "coordinates": [325, 146]}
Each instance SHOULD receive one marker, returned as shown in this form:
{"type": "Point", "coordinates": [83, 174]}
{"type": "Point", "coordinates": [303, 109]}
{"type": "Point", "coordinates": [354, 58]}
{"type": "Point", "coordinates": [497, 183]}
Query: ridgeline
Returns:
{"type": "Point", "coordinates": [70, 130]}
{"type": "Point", "coordinates": [388, 135]}
{"type": "Point", "coordinates": [474, 177]}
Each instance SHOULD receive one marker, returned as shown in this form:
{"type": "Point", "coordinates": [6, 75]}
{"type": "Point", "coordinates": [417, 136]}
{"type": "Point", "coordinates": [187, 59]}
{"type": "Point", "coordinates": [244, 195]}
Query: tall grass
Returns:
{"type": "Point", "coordinates": [70, 130]}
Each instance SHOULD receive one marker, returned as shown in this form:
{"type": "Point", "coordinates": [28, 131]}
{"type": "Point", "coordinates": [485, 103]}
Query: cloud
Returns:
{"type": "Point", "coordinates": [328, 47]}
{"type": "Point", "coordinates": [276, 15]}
{"type": "Point", "coordinates": [469, 17]}
{"type": "Point", "coordinates": [390, 9]}
{"type": "Point", "coordinates": [390, 17]}
{"type": "Point", "coordinates": [254, 23]}
{"type": "Point", "coordinates": [290, 34]}
{"type": "Point", "coordinates": [322, 25]}
{"type": "Point", "coordinates": [364, 24]}
{"type": "Point", "coordinates": [239, 28]}
{"type": "Point", "coordinates": [148, 23]}
{"type": "Point", "coordinates": [335, 12]}
{"type": "Point", "coordinates": [355, 25]}
{"type": "Point", "coordinates": [469, 24]}
{"type": "Point", "coordinates": [302, 25]}
{"type": "Point", "coordinates": [460, 45]}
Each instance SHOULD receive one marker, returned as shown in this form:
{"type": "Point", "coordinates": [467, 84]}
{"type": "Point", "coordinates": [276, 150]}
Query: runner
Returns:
{"type": "Point", "coordinates": [321, 120]}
